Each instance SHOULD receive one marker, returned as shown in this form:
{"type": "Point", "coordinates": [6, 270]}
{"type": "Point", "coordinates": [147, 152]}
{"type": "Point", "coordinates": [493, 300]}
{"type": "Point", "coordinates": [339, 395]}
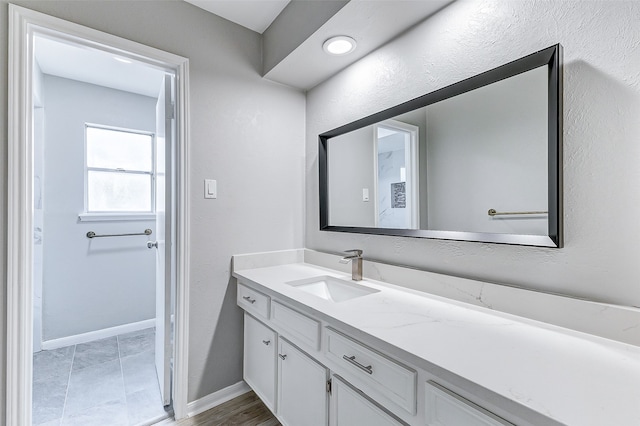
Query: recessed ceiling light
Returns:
{"type": "Point", "coordinates": [123, 60]}
{"type": "Point", "coordinates": [339, 45]}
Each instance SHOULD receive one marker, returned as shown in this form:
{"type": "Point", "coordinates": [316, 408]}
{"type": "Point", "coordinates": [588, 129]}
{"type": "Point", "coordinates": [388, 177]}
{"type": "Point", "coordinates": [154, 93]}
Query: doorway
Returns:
{"type": "Point", "coordinates": [96, 183]}
{"type": "Point", "coordinates": [396, 175]}
{"type": "Point", "coordinates": [94, 341]}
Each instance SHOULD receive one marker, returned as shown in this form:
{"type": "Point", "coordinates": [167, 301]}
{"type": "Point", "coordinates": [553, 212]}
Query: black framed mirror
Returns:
{"type": "Point", "coordinates": [479, 160]}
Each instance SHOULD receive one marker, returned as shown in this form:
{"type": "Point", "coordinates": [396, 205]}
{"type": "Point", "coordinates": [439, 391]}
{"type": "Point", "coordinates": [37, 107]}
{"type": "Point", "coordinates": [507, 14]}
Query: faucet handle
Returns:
{"type": "Point", "coordinates": [357, 252]}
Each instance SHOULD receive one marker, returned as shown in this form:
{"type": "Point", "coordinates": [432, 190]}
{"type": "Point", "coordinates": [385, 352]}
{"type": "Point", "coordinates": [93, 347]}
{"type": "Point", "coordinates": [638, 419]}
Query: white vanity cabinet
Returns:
{"type": "Point", "coordinates": [260, 349]}
{"type": "Point", "coordinates": [397, 354]}
{"type": "Point", "coordinates": [302, 388]}
{"type": "Point", "coordinates": [351, 407]}
{"type": "Point", "coordinates": [309, 372]}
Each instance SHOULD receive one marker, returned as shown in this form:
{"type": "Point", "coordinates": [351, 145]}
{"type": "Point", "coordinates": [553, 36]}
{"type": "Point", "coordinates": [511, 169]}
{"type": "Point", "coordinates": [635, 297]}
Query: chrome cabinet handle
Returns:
{"type": "Point", "coordinates": [266, 342]}
{"type": "Point", "coordinates": [248, 299]}
{"type": "Point", "coordinates": [352, 360]}
{"type": "Point", "coordinates": [282, 357]}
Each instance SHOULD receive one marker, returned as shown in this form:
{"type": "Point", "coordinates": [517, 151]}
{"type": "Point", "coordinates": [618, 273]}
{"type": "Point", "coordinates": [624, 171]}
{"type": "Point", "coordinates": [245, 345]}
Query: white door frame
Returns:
{"type": "Point", "coordinates": [412, 155]}
{"type": "Point", "coordinates": [23, 25]}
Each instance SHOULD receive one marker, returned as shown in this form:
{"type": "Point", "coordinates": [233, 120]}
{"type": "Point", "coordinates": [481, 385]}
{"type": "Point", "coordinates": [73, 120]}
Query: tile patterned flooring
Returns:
{"type": "Point", "coordinates": [110, 381]}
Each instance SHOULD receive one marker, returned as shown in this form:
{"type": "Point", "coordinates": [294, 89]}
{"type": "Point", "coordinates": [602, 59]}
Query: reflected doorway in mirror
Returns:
{"type": "Point", "coordinates": [396, 175]}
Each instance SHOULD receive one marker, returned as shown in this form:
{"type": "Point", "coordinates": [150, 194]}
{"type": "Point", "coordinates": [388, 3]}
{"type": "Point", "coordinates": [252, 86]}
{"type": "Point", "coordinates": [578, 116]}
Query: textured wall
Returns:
{"type": "Point", "coordinates": [601, 137]}
{"type": "Point", "coordinates": [246, 132]}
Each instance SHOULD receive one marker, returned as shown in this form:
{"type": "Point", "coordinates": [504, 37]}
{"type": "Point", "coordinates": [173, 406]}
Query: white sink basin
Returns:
{"type": "Point", "coordinates": [332, 289]}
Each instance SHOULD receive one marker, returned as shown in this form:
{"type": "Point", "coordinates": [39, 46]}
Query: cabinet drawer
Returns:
{"type": "Point", "coordinates": [445, 408]}
{"type": "Point", "coordinates": [253, 301]}
{"type": "Point", "coordinates": [300, 327]}
{"type": "Point", "coordinates": [377, 375]}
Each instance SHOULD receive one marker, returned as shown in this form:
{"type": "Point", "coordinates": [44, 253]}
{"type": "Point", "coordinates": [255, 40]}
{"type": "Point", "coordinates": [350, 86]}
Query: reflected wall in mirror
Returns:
{"type": "Point", "coordinates": [479, 160]}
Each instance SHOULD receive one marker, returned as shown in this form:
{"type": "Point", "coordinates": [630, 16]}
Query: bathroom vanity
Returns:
{"type": "Point", "coordinates": [320, 349]}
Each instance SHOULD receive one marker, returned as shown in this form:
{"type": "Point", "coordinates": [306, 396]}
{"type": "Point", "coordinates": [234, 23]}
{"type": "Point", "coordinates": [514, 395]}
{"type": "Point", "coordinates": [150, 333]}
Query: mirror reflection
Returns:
{"type": "Point", "coordinates": [474, 163]}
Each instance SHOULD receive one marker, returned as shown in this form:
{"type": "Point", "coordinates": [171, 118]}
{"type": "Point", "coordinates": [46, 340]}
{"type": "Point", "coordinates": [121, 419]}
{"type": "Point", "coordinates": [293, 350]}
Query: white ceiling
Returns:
{"type": "Point", "coordinates": [96, 67]}
{"type": "Point", "coordinates": [256, 15]}
{"type": "Point", "coordinates": [371, 22]}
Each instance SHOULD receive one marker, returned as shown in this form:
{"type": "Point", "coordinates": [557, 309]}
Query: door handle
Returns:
{"type": "Point", "coordinates": [282, 357]}
{"type": "Point", "coordinates": [152, 244]}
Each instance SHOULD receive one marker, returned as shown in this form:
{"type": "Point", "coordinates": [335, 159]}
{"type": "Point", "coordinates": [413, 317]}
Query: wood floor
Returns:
{"type": "Point", "coordinates": [245, 410]}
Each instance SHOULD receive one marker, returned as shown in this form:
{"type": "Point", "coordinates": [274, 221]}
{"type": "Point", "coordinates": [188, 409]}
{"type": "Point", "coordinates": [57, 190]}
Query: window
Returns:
{"type": "Point", "coordinates": [119, 171]}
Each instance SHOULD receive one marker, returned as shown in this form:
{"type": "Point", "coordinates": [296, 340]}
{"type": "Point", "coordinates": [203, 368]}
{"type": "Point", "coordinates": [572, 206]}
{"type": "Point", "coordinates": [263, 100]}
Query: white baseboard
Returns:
{"type": "Point", "coordinates": [212, 400]}
{"type": "Point", "coordinates": [98, 334]}
{"type": "Point", "coordinates": [169, 421]}
{"type": "Point", "coordinates": [164, 419]}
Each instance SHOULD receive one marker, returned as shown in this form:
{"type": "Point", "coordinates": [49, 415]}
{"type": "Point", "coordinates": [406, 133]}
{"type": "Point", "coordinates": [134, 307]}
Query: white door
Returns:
{"type": "Point", "coordinates": [164, 228]}
{"type": "Point", "coordinates": [260, 360]}
{"type": "Point", "coordinates": [302, 388]}
{"type": "Point", "coordinates": [350, 407]}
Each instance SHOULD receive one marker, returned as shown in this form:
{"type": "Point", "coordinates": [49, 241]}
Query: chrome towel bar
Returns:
{"type": "Point", "coordinates": [493, 212]}
{"type": "Point", "coordinates": [92, 234]}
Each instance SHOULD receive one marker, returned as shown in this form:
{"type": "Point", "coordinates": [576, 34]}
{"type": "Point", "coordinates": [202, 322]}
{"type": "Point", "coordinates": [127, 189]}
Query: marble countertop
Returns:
{"type": "Point", "coordinates": [571, 377]}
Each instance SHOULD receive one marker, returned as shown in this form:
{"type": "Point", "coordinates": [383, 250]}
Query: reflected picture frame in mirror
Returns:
{"type": "Point", "coordinates": [538, 223]}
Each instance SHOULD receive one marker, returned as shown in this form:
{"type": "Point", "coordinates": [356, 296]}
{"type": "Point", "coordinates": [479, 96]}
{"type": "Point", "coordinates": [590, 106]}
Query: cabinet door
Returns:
{"type": "Point", "coordinates": [302, 388]}
{"type": "Point", "coordinates": [260, 359]}
{"type": "Point", "coordinates": [350, 407]}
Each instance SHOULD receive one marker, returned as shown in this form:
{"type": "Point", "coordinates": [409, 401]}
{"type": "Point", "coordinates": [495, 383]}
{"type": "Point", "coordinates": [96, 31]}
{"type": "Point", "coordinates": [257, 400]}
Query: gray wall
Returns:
{"type": "Point", "coordinates": [601, 137]}
{"type": "Point", "coordinates": [246, 132]}
{"type": "Point", "coordinates": [104, 282]}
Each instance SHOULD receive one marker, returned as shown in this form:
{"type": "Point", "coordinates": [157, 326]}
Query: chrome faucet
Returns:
{"type": "Point", "coordinates": [356, 263]}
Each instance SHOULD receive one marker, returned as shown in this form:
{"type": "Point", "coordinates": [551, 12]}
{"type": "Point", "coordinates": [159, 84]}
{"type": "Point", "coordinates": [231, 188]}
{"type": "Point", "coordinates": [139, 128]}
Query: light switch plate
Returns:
{"type": "Point", "coordinates": [365, 194]}
{"type": "Point", "coordinates": [210, 188]}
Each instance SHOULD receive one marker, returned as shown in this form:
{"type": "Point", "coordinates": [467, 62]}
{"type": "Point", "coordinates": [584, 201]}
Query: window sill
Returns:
{"type": "Point", "coordinates": [112, 217]}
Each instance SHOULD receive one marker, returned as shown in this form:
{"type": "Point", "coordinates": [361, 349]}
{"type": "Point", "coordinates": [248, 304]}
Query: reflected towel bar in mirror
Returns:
{"type": "Point", "coordinates": [493, 212]}
{"type": "Point", "coordinates": [92, 234]}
